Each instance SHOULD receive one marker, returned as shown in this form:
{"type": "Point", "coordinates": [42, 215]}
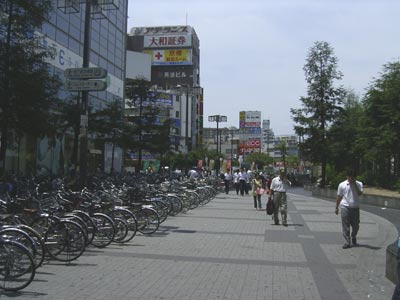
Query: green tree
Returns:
{"type": "Point", "coordinates": [344, 136]}
{"type": "Point", "coordinates": [381, 125]}
{"type": "Point", "coordinates": [260, 159]}
{"type": "Point", "coordinates": [108, 125]}
{"type": "Point", "coordinates": [320, 106]}
{"type": "Point", "coordinates": [149, 126]}
{"type": "Point", "coordinates": [28, 92]}
{"type": "Point", "coordinates": [282, 147]}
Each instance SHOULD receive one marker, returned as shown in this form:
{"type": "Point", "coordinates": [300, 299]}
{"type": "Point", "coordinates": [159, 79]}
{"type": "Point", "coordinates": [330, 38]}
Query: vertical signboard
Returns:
{"type": "Point", "coordinates": [250, 132]}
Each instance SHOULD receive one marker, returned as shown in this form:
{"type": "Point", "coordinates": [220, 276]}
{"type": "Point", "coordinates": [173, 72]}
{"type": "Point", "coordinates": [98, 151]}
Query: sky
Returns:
{"type": "Point", "coordinates": [252, 52]}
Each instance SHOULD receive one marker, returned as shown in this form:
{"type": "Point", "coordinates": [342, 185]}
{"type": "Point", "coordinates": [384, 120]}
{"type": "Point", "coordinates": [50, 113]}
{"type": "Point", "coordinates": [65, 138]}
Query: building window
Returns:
{"type": "Point", "coordinates": [177, 114]}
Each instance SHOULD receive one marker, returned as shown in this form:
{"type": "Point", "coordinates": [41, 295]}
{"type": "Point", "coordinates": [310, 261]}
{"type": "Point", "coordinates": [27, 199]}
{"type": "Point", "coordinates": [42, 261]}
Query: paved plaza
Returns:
{"type": "Point", "coordinates": [229, 250]}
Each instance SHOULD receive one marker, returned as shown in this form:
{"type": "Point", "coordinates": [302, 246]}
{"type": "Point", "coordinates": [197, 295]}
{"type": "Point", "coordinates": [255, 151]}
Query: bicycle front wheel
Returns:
{"type": "Point", "coordinates": [148, 220]}
{"type": "Point", "coordinates": [17, 268]}
{"type": "Point", "coordinates": [105, 230]}
{"type": "Point", "coordinates": [130, 218]}
{"type": "Point", "coordinates": [65, 240]}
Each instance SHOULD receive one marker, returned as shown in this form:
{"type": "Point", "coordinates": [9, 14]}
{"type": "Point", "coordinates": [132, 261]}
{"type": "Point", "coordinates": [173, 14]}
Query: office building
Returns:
{"type": "Point", "coordinates": [267, 138]}
{"type": "Point", "coordinates": [65, 33]}
{"type": "Point", "coordinates": [175, 67]}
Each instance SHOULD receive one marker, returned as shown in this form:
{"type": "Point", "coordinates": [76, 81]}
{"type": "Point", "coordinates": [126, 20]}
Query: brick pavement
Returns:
{"type": "Point", "coordinates": [228, 250]}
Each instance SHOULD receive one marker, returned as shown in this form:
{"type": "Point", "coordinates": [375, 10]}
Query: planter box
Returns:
{"type": "Point", "coordinates": [392, 263]}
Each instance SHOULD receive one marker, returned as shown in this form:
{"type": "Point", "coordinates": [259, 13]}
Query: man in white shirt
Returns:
{"type": "Point", "coordinates": [227, 180]}
{"type": "Point", "coordinates": [278, 188]}
{"type": "Point", "coordinates": [348, 194]}
{"type": "Point", "coordinates": [242, 181]}
{"type": "Point", "coordinates": [193, 175]}
{"type": "Point", "coordinates": [236, 181]}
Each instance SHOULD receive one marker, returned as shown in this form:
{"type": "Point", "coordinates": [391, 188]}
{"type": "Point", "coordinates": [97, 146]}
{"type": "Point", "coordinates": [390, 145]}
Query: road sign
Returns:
{"type": "Point", "coordinates": [85, 85]}
{"type": "Point", "coordinates": [85, 73]}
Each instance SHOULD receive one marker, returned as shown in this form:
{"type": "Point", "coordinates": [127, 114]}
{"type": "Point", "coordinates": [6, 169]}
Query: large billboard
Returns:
{"type": "Point", "coordinates": [170, 57]}
{"type": "Point", "coordinates": [167, 41]}
{"type": "Point", "coordinates": [253, 116]}
{"type": "Point", "coordinates": [249, 119]}
{"type": "Point", "coordinates": [155, 98]}
{"type": "Point", "coordinates": [250, 143]}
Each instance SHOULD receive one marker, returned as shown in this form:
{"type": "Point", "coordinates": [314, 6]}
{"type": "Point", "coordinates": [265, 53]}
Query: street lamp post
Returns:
{"type": "Point", "coordinates": [231, 131]}
{"type": "Point", "coordinates": [85, 99]}
{"type": "Point", "coordinates": [218, 119]}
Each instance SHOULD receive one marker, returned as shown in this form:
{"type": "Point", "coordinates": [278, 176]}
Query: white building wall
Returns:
{"type": "Point", "coordinates": [138, 65]}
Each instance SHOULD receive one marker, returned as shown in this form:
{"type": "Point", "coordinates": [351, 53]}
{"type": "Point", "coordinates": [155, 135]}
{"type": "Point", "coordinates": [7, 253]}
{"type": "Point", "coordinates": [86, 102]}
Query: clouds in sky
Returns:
{"type": "Point", "coordinates": [252, 52]}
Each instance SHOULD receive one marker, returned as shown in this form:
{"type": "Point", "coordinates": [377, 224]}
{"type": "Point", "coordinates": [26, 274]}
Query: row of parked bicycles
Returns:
{"type": "Point", "coordinates": [47, 220]}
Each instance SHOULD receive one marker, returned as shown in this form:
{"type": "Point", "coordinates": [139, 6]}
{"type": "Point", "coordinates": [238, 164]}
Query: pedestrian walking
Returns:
{"type": "Point", "coordinates": [248, 181]}
{"type": "Point", "coordinates": [268, 182]}
{"type": "Point", "coordinates": [227, 180]}
{"type": "Point", "coordinates": [257, 191]}
{"type": "Point", "coordinates": [242, 181]}
{"type": "Point", "coordinates": [279, 186]}
{"type": "Point", "coordinates": [236, 181]}
{"type": "Point", "coordinates": [263, 180]}
{"type": "Point", "coordinates": [348, 196]}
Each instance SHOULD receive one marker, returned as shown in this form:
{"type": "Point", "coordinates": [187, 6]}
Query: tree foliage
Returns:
{"type": "Point", "coordinates": [149, 126]}
{"type": "Point", "coordinates": [345, 135]}
{"type": "Point", "coordinates": [28, 91]}
{"type": "Point", "coordinates": [321, 105]}
{"type": "Point", "coordinates": [365, 136]}
{"type": "Point", "coordinates": [381, 124]}
{"type": "Point", "coordinates": [259, 159]}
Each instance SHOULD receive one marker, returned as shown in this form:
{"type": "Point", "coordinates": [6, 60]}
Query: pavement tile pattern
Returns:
{"type": "Point", "coordinates": [228, 250]}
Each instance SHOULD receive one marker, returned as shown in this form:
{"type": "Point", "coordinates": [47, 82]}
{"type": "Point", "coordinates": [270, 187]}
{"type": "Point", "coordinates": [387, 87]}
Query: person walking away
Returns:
{"type": "Point", "coordinates": [257, 191]}
{"type": "Point", "coordinates": [236, 181]}
{"type": "Point", "coordinates": [227, 180]}
{"type": "Point", "coordinates": [242, 181]}
{"type": "Point", "coordinates": [348, 196]}
{"type": "Point", "coordinates": [193, 175]}
{"type": "Point", "coordinates": [268, 184]}
{"type": "Point", "coordinates": [278, 189]}
{"type": "Point", "coordinates": [248, 181]}
{"type": "Point", "coordinates": [263, 180]}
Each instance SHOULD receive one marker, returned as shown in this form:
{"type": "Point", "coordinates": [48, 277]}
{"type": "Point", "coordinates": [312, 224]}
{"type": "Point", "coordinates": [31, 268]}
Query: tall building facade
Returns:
{"type": "Point", "coordinates": [107, 43]}
{"type": "Point", "coordinates": [291, 142]}
{"type": "Point", "coordinates": [228, 141]}
{"type": "Point", "coordinates": [267, 137]}
{"type": "Point", "coordinates": [175, 52]}
{"type": "Point", "coordinates": [175, 66]}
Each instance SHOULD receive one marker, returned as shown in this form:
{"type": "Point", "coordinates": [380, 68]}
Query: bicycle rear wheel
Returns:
{"type": "Point", "coordinates": [17, 268]}
{"type": "Point", "coordinates": [105, 230]}
{"type": "Point", "coordinates": [148, 220]}
{"type": "Point", "coordinates": [130, 218]}
{"type": "Point", "coordinates": [162, 209]}
{"type": "Point", "coordinates": [28, 237]}
{"type": "Point", "coordinates": [65, 240]}
{"type": "Point", "coordinates": [176, 204]}
{"type": "Point", "coordinates": [91, 227]}
{"type": "Point", "coordinates": [40, 248]}
{"type": "Point", "coordinates": [121, 230]}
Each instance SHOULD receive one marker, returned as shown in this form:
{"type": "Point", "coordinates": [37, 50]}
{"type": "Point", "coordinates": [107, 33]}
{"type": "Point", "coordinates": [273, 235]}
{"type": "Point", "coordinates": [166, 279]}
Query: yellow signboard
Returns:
{"type": "Point", "coordinates": [171, 57]}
